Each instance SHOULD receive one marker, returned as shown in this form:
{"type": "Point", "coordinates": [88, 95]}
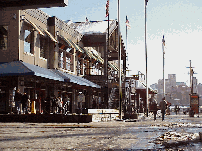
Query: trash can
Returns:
{"type": "Point", "coordinates": [191, 113]}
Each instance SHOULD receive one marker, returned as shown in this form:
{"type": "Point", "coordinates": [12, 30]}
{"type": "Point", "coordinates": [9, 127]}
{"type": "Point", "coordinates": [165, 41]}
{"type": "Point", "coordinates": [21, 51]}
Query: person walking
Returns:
{"type": "Point", "coordinates": [153, 106]}
{"type": "Point", "coordinates": [162, 107]}
{"type": "Point", "coordinates": [17, 99]}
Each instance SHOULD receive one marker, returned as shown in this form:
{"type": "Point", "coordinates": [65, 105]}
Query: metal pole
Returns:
{"type": "Point", "coordinates": [126, 34]}
{"type": "Point", "coordinates": [191, 77]}
{"type": "Point", "coordinates": [119, 58]}
{"type": "Point", "coordinates": [163, 68]}
{"type": "Point", "coordinates": [107, 65]}
{"type": "Point", "coordinates": [147, 103]}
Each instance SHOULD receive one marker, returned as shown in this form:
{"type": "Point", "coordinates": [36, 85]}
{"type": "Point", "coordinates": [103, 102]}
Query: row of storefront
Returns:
{"type": "Point", "coordinates": [44, 56]}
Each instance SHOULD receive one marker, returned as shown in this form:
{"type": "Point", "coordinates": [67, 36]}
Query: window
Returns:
{"type": "Point", "coordinates": [3, 37]}
{"type": "Point", "coordinates": [28, 41]}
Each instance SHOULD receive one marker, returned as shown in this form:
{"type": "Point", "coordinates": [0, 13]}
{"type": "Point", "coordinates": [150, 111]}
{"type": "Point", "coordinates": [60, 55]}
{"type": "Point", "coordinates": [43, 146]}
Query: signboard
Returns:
{"type": "Point", "coordinates": [194, 103]}
{"type": "Point", "coordinates": [105, 111]}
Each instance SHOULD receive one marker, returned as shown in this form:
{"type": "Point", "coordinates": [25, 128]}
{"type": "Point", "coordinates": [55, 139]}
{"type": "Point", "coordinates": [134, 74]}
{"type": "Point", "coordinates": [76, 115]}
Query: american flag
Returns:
{"type": "Point", "coordinates": [146, 1]}
{"type": "Point", "coordinates": [127, 23]}
{"type": "Point", "coordinates": [107, 8]}
{"type": "Point", "coordinates": [163, 41]}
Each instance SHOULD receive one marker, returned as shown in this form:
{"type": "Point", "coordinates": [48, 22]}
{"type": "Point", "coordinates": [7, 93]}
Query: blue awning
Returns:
{"type": "Point", "coordinates": [76, 79]}
{"type": "Point", "coordinates": [19, 68]}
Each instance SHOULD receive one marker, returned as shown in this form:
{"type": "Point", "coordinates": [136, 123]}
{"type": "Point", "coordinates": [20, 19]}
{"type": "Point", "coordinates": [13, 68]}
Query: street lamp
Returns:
{"type": "Point", "coordinates": [147, 102]}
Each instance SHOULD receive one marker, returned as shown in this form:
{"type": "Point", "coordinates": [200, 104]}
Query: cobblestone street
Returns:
{"type": "Point", "coordinates": [115, 135]}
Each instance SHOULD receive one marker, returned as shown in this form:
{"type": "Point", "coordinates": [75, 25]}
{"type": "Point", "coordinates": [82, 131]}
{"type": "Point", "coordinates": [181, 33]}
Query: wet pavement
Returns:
{"type": "Point", "coordinates": [114, 135]}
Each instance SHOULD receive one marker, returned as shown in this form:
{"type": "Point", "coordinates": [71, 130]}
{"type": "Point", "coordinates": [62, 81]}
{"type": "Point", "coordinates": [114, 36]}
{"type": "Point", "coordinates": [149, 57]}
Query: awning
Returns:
{"type": "Point", "coordinates": [34, 26]}
{"type": "Point", "coordinates": [99, 58]}
{"type": "Point", "coordinates": [89, 53]}
{"type": "Point", "coordinates": [71, 43]}
{"type": "Point", "coordinates": [50, 35]}
{"type": "Point", "coordinates": [19, 68]}
{"type": "Point", "coordinates": [40, 30]}
{"type": "Point", "coordinates": [76, 79]}
{"type": "Point", "coordinates": [102, 62]}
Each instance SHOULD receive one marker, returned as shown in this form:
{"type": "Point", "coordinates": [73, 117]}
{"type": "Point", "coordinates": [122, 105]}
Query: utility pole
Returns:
{"type": "Point", "coordinates": [191, 76]}
{"type": "Point", "coordinates": [191, 85]}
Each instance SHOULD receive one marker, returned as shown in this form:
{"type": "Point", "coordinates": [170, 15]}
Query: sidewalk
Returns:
{"type": "Point", "coordinates": [114, 135]}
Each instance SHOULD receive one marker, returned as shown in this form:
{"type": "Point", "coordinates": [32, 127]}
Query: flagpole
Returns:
{"type": "Point", "coordinates": [147, 102]}
{"type": "Point", "coordinates": [163, 41]}
{"type": "Point", "coordinates": [119, 58]}
{"type": "Point", "coordinates": [126, 33]}
{"type": "Point", "coordinates": [107, 65]}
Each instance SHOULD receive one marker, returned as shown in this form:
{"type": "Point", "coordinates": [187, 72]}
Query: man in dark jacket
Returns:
{"type": "Point", "coordinates": [153, 106]}
{"type": "Point", "coordinates": [162, 107]}
{"type": "Point", "coordinates": [17, 99]}
{"type": "Point", "coordinates": [24, 102]}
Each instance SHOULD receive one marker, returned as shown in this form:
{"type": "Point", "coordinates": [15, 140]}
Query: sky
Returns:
{"type": "Point", "coordinates": [180, 21]}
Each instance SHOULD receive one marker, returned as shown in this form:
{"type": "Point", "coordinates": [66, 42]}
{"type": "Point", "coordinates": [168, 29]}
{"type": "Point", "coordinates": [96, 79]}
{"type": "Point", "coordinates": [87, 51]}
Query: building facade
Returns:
{"type": "Point", "coordinates": [46, 57]}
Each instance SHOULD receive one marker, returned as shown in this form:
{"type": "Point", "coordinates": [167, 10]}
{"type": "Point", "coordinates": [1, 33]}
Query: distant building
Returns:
{"type": "Point", "coordinates": [180, 83]}
{"type": "Point", "coordinates": [175, 92]}
{"type": "Point", "coordinates": [172, 79]}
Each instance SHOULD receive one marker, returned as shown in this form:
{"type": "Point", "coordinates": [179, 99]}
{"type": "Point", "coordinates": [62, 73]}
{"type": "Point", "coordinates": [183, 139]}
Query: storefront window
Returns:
{"type": "Point", "coordinates": [3, 37]}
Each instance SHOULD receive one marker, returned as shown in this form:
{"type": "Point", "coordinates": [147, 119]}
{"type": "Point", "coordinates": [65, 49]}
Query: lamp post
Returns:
{"type": "Point", "coordinates": [147, 102]}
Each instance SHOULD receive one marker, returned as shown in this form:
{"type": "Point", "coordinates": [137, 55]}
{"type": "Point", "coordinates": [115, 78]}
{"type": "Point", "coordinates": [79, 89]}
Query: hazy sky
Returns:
{"type": "Point", "coordinates": [179, 20]}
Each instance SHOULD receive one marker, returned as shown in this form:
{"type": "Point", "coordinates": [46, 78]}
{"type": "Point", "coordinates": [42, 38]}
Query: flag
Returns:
{"type": "Point", "coordinates": [146, 1]}
{"type": "Point", "coordinates": [127, 23]}
{"type": "Point", "coordinates": [163, 41]}
{"type": "Point", "coordinates": [107, 8]}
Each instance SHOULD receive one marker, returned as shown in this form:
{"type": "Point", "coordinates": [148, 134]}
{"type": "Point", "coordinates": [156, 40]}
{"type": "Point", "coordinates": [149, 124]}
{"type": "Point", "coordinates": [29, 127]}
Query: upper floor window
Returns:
{"type": "Point", "coordinates": [43, 48]}
{"type": "Point", "coordinates": [3, 37]}
{"type": "Point", "coordinates": [28, 41]}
